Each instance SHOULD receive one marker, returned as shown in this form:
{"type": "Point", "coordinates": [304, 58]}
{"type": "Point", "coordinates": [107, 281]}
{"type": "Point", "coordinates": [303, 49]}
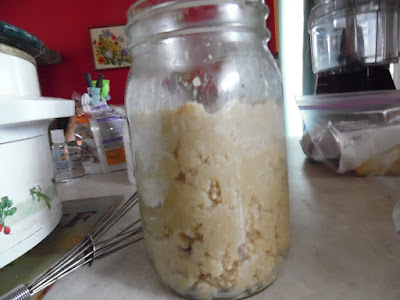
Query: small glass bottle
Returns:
{"type": "Point", "coordinates": [61, 162]}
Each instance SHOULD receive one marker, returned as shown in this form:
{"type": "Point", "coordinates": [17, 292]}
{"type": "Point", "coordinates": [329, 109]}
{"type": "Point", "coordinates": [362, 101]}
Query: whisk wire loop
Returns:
{"type": "Point", "coordinates": [85, 253]}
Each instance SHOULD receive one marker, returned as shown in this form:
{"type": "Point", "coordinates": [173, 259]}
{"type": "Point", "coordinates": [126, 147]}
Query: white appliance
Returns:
{"type": "Point", "coordinates": [29, 206]}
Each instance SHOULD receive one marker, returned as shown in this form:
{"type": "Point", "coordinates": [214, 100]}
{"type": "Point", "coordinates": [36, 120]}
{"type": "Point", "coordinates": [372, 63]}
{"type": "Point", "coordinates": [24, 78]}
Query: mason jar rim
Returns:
{"type": "Point", "coordinates": [145, 18]}
{"type": "Point", "coordinates": [143, 6]}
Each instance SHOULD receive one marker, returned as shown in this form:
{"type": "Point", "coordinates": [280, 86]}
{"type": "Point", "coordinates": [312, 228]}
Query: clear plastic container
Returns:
{"type": "Point", "coordinates": [354, 33]}
{"type": "Point", "coordinates": [204, 102]}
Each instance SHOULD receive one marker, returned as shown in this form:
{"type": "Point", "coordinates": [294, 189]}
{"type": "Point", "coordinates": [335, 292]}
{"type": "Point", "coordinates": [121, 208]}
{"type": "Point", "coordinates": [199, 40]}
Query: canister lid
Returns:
{"type": "Point", "coordinates": [21, 39]}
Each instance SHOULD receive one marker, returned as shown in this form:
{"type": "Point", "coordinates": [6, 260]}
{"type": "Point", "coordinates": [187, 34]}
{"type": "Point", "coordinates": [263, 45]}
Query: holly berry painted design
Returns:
{"type": "Point", "coordinates": [6, 210]}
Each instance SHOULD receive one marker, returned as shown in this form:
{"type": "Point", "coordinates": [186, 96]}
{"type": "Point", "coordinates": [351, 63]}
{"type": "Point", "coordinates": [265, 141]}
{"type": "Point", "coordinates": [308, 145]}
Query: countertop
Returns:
{"type": "Point", "coordinates": [343, 241]}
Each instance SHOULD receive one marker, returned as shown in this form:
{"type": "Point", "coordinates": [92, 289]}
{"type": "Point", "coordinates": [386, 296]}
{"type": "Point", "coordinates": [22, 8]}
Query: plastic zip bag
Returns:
{"type": "Point", "coordinates": [107, 125]}
{"type": "Point", "coordinates": [355, 133]}
{"type": "Point", "coordinates": [82, 135]}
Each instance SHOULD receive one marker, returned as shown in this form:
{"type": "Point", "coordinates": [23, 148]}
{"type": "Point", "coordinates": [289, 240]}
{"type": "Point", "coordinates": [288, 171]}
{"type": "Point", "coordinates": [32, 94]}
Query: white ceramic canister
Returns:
{"type": "Point", "coordinates": [29, 205]}
{"type": "Point", "coordinates": [18, 74]}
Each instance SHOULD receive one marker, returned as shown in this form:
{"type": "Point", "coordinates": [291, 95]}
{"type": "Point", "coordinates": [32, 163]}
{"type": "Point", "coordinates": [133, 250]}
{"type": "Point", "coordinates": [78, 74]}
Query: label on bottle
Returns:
{"type": "Point", "coordinates": [111, 129]}
{"type": "Point", "coordinates": [61, 160]}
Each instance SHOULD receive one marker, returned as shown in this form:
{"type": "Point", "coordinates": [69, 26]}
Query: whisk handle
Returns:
{"type": "Point", "coordinates": [21, 292]}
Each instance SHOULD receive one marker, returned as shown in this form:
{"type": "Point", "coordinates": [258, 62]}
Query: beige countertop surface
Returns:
{"type": "Point", "coordinates": [343, 241]}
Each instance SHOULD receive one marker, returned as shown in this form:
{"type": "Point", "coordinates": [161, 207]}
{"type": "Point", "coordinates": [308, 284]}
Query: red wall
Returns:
{"type": "Point", "coordinates": [271, 23]}
{"type": "Point", "coordinates": [64, 27]}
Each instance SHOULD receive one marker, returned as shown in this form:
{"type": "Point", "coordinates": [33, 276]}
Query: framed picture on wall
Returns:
{"type": "Point", "coordinates": [110, 47]}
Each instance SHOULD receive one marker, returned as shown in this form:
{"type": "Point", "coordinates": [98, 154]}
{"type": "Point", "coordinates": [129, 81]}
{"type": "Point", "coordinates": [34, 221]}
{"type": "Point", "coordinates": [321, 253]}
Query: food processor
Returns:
{"type": "Point", "coordinates": [353, 42]}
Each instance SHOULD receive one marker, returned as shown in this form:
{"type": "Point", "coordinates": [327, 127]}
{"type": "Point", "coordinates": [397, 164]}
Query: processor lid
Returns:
{"type": "Point", "coordinates": [354, 34]}
{"type": "Point", "coordinates": [338, 8]}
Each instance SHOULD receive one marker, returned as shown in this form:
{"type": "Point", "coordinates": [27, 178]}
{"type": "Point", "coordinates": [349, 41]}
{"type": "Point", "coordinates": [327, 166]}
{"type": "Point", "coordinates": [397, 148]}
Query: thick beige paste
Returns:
{"type": "Point", "coordinates": [214, 196]}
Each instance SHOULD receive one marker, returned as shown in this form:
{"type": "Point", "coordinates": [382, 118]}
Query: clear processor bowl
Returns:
{"type": "Point", "coordinates": [352, 34]}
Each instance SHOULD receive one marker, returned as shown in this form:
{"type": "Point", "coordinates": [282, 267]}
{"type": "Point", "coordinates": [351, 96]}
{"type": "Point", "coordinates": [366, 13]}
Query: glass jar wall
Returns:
{"type": "Point", "coordinates": [204, 102]}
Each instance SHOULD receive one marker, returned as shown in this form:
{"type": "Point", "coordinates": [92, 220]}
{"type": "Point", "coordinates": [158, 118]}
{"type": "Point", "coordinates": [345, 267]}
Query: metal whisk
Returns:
{"type": "Point", "coordinates": [85, 253]}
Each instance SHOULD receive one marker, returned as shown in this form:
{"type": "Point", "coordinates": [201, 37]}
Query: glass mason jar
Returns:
{"type": "Point", "coordinates": [205, 107]}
